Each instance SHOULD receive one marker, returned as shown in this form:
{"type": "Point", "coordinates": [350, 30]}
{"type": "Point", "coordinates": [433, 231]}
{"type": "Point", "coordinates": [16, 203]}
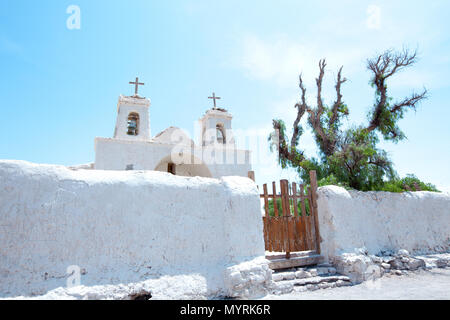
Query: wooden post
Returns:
{"type": "Point", "coordinates": [251, 175]}
{"type": "Point", "coordinates": [310, 222]}
{"type": "Point", "coordinates": [281, 220]}
{"type": "Point", "coordinates": [275, 203]}
{"type": "Point", "coordinates": [302, 199]}
{"type": "Point", "coordinates": [284, 185]}
{"type": "Point", "coordinates": [277, 231]}
{"type": "Point", "coordinates": [296, 220]}
{"type": "Point", "coordinates": [266, 200]}
{"type": "Point", "coordinates": [267, 219]}
{"type": "Point", "coordinates": [313, 190]}
{"type": "Point", "coordinates": [294, 198]}
{"type": "Point", "coordinates": [293, 218]}
{"type": "Point", "coordinates": [303, 217]}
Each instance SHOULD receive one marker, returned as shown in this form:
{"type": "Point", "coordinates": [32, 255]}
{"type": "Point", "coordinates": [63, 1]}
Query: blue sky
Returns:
{"type": "Point", "coordinates": [60, 87]}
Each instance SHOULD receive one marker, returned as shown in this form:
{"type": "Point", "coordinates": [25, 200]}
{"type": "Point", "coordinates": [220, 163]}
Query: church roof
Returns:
{"type": "Point", "coordinates": [173, 135]}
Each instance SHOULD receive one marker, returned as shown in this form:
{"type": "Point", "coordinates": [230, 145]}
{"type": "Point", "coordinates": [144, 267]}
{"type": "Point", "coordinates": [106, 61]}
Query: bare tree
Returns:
{"type": "Point", "coordinates": [353, 148]}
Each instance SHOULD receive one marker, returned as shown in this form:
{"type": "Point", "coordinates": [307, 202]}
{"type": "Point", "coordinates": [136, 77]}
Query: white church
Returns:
{"type": "Point", "coordinates": [134, 148]}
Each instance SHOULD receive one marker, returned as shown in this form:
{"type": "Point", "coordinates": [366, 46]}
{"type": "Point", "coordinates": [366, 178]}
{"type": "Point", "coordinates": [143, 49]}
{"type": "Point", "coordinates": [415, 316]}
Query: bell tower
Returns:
{"type": "Point", "coordinates": [133, 122]}
{"type": "Point", "coordinates": [216, 126]}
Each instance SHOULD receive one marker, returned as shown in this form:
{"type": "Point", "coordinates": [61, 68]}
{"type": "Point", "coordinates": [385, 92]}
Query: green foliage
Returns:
{"type": "Point", "coordinates": [350, 158]}
{"type": "Point", "coordinates": [331, 180]}
{"type": "Point", "coordinates": [395, 184]}
{"type": "Point", "coordinates": [360, 164]}
{"type": "Point", "coordinates": [275, 141]}
{"type": "Point", "coordinates": [307, 165]}
{"type": "Point", "coordinates": [387, 120]}
{"type": "Point", "coordinates": [412, 183]}
{"type": "Point", "coordinates": [271, 207]}
{"type": "Point", "coordinates": [291, 202]}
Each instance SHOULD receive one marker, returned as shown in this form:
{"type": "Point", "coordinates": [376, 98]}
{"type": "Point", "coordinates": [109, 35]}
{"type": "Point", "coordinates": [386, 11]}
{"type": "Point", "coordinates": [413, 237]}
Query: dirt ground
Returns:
{"type": "Point", "coordinates": [419, 285]}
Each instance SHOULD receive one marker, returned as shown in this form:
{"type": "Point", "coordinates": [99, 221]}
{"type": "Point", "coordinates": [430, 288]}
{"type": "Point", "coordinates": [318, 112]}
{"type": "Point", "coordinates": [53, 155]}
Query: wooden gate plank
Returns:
{"type": "Point", "coordinates": [276, 231]}
{"type": "Point", "coordinates": [313, 178]}
{"type": "Point", "coordinates": [285, 218]}
{"type": "Point", "coordinates": [297, 221]}
{"type": "Point", "coordinates": [267, 218]}
{"type": "Point", "coordinates": [266, 234]}
{"type": "Point", "coordinates": [275, 204]}
{"type": "Point", "coordinates": [303, 218]}
{"type": "Point", "coordinates": [266, 200]}
{"type": "Point", "coordinates": [276, 234]}
{"type": "Point", "coordinates": [281, 224]}
{"type": "Point", "coordinates": [294, 198]}
{"type": "Point", "coordinates": [289, 220]}
{"type": "Point", "coordinates": [310, 224]}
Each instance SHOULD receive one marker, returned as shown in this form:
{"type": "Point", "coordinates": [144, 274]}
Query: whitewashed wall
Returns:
{"type": "Point", "coordinates": [416, 221]}
{"type": "Point", "coordinates": [122, 227]}
{"type": "Point", "coordinates": [114, 154]}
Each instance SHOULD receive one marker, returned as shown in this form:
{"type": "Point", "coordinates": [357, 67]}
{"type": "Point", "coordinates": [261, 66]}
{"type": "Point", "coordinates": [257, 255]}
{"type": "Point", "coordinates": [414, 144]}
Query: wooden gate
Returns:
{"type": "Point", "coordinates": [290, 221]}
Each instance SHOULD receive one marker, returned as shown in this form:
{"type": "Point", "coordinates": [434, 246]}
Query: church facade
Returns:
{"type": "Point", "coordinates": [133, 148]}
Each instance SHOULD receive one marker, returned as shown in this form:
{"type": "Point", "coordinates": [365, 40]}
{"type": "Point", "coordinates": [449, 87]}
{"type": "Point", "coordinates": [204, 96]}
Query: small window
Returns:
{"type": "Point", "coordinates": [133, 124]}
{"type": "Point", "coordinates": [130, 167]}
{"type": "Point", "coordinates": [220, 134]}
{"type": "Point", "coordinates": [171, 168]}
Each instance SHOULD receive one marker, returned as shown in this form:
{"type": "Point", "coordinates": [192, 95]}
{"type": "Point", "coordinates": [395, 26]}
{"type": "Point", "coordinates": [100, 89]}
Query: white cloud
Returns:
{"type": "Point", "coordinates": [373, 17]}
{"type": "Point", "coordinates": [281, 59]}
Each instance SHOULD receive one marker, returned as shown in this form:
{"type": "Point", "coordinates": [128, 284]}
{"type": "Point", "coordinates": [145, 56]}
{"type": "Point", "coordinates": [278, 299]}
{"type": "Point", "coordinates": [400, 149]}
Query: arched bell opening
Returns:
{"type": "Point", "coordinates": [220, 134]}
{"type": "Point", "coordinates": [133, 124]}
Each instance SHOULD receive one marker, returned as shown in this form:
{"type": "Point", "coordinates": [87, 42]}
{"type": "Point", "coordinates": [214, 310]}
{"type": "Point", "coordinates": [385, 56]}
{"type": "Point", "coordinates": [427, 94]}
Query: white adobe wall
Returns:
{"type": "Point", "coordinates": [126, 226]}
{"type": "Point", "coordinates": [115, 154]}
{"type": "Point", "coordinates": [382, 221]}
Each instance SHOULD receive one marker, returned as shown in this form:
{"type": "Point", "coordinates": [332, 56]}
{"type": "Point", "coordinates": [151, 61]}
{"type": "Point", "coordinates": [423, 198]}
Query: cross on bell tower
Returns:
{"type": "Point", "coordinates": [214, 98]}
{"type": "Point", "coordinates": [136, 86]}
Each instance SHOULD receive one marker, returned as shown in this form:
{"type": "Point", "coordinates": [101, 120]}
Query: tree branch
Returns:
{"type": "Point", "coordinates": [338, 102]}
{"type": "Point", "coordinates": [301, 108]}
{"type": "Point", "coordinates": [383, 67]}
{"type": "Point", "coordinates": [409, 102]}
{"type": "Point", "coordinates": [319, 81]}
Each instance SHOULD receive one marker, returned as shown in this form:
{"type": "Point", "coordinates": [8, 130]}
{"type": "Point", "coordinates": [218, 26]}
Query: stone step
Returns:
{"type": "Point", "coordinates": [302, 273]}
{"type": "Point", "coordinates": [311, 283]}
{"type": "Point", "coordinates": [319, 279]}
{"type": "Point", "coordinates": [280, 276]}
{"type": "Point", "coordinates": [322, 285]}
{"type": "Point", "coordinates": [295, 261]}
